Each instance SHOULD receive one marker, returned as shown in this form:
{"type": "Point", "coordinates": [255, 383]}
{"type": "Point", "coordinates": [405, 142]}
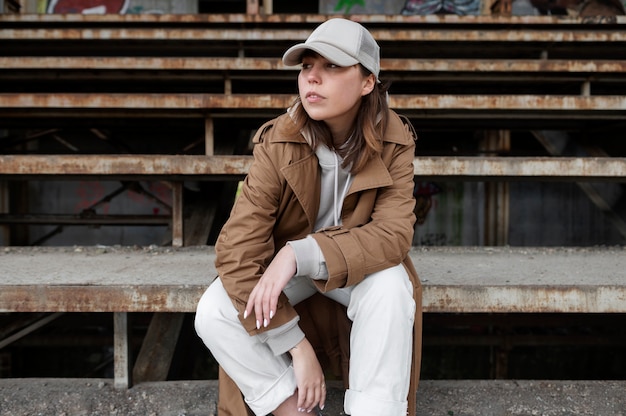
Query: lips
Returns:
{"type": "Point", "coordinates": [313, 97]}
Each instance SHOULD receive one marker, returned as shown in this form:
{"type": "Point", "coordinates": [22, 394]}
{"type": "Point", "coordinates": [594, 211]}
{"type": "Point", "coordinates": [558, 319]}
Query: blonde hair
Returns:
{"type": "Point", "coordinates": [369, 127]}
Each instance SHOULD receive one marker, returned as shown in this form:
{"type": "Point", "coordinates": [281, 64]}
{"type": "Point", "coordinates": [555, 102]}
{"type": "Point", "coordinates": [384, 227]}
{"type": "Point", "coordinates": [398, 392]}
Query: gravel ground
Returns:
{"type": "Point", "coordinates": [97, 397]}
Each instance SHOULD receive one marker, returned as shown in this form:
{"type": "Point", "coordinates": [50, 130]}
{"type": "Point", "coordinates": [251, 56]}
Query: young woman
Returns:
{"type": "Point", "coordinates": [327, 207]}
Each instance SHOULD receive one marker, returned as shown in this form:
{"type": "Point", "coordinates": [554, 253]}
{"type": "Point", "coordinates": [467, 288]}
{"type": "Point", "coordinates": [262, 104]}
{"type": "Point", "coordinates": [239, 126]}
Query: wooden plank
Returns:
{"type": "Point", "coordinates": [199, 222]}
{"type": "Point", "coordinates": [207, 167]}
{"type": "Point", "coordinates": [157, 349]}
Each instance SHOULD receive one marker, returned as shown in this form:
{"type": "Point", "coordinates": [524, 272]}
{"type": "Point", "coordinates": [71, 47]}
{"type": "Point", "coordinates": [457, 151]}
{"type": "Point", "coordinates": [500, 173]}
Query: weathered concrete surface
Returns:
{"type": "Point", "coordinates": [95, 397]}
{"type": "Point", "coordinates": [456, 279]}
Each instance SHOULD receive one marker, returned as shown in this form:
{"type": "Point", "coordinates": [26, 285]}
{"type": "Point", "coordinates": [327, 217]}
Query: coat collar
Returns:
{"type": "Point", "coordinates": [396, 131]}
{"type": "Point", "coordinates": [303, 175]}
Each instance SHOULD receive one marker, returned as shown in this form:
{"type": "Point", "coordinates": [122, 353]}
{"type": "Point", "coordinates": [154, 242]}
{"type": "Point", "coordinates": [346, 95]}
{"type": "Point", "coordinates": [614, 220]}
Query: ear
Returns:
{"type": "Point", "coordinates": [368, 85]}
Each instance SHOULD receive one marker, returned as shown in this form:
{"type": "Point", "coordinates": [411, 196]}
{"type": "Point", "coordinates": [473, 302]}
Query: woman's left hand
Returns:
{"type": "Point", "coordinates": [264, 297]}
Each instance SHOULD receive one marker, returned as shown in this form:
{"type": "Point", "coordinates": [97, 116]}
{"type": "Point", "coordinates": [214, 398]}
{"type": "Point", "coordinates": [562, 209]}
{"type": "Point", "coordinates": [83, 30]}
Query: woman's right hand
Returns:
{"type": "Point", "coordinates": [309, 377]}
{"type": "Point", "coordinates": [263, 299]}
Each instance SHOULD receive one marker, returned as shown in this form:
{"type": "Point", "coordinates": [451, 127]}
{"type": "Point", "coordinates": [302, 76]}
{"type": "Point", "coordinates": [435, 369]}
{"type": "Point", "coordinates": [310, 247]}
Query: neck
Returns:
{"type": "Point", "coordinates": [340, 138]}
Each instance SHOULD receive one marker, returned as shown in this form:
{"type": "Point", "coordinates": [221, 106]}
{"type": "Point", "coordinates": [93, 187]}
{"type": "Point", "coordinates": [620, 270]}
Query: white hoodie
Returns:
{"type": "Point", "coordinates": [335, 182]}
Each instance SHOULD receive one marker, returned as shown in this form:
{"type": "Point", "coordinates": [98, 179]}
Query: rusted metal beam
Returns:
{"type": "Point", "coordinates": [176, 103]}
{"type": "Point", "coordinates": [197, 166]}
{"type": "Point", "coordinates": [142, 63]}
{"type": "Point", "coordinates": [275, 64]}
{"type": "Point", "coordinates": [439, 298]}
{"type": "Point", "coordinates": [504, 65]}
{"type": "Point", "coordinates": [124, 165]}
{"type": "Point", "coordinates": [29, 105]}
{"type": "Point", "coordinates": [300, 18]}
{"type": "Point", "coordinates": [513, 35]}
{"type": "Point", "coordinates": [523, 168]}
{"type": "Point", "coordinates": [497, 195]}
{"type": "Point", "coordinates": [122, 369]}
{"type": "Point", "coordinates": [177, 214]}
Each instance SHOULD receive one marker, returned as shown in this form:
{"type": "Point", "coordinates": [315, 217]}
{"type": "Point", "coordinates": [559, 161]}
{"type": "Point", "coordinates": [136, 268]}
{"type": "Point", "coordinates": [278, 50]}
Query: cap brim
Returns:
{"type": "Point", "coordinates": [336, 56]}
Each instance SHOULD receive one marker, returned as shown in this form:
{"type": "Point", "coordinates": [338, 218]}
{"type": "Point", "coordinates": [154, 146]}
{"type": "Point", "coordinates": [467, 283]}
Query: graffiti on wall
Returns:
{"type": "Point", "coordinates": [405, 7]}
{"type": "Point", "coordinates": [88, 6]}
{"type": "Point", "coordinates": [345, 6]}
{"type": "Point", "coordinates": [117, 6]}
{"type": "Point", "coordinates": [425, 7]}
{"type": "Point", "coordinates": [581, 8]}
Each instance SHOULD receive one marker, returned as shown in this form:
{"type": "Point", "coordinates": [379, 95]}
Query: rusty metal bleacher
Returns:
{"type": "Point", "coordinates": [495, 72]}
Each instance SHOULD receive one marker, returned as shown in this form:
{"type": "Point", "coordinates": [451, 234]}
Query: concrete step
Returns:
{"type": "Point", "coordinates": [95, 397]}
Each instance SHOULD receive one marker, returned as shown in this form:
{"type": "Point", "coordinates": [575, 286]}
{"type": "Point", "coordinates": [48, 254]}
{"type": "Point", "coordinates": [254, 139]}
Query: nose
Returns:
{"type": "Point", "coordinates": [313, 75]}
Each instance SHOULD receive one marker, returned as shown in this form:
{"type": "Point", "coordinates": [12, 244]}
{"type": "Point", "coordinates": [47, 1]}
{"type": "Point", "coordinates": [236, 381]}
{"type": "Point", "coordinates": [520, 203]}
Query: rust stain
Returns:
{"type": "Point", "coordinates": [159, 165]}
{"type": "Point", "coordinates": [181, 102]}
{"type": "Point", "coordinates": [524, 299]}
{"type": "Point", "coordinates": [123, 165]}
{"type": "Point", "coordinates": [522, 167]}
{"type": "Point", "coordinates": [192, 33]}
{"type": "Point", "coordinates": [142, 63]}
{"type": "Point", "coordinates": [446, 299]}
{"type": "Point", "coordinates": [170, 19]}
{"type": "Point", "coordinates": [247, 64]}
{"type": "Point", "coordinates": [495, 65]}
{"type": "Point", "coordinates": [99, 298]}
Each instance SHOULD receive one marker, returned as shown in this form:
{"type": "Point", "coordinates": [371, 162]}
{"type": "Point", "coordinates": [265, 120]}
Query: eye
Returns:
{"type": "Point", "coordinates": [331, 65]}
{"type": "Point", "coordinates": [306, 65]}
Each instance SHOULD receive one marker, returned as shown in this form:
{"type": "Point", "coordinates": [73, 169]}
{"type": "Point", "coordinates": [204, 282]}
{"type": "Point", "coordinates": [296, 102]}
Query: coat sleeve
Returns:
{"type": "Point", "coordinates": [245, 246]}
{"type": "Point", "coordinates": [380, 232]}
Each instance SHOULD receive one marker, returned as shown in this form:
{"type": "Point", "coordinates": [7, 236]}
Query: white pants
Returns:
{"type": "Point", "coordinates": [382, 310]}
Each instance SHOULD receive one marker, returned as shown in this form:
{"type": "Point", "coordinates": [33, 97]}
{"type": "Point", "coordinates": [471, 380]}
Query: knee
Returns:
{"type": "Point", "coordinates": [212, 312]}
{"type": "Point", "coordinates": [388, 291]}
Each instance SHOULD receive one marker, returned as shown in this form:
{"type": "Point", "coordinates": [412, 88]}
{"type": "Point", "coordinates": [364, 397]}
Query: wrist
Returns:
{"type": "Point", "coordinates": [301, 347]}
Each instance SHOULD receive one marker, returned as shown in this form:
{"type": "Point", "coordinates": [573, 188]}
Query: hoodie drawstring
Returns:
{"type": "Point", "coordinates": [337, 205]}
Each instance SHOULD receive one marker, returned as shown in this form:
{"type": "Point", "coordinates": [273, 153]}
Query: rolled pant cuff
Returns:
{"type": "Point", "coordinates": [357, 403]}
{"type": "Point", "coordinates": [278, 392]}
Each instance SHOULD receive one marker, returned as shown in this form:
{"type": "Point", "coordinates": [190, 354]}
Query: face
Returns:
{"type": "Point", "coordinates": [331, 93]}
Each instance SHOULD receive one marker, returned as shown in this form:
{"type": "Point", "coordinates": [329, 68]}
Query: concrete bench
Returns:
{"type": "Point", "coordinates": [170, 280]}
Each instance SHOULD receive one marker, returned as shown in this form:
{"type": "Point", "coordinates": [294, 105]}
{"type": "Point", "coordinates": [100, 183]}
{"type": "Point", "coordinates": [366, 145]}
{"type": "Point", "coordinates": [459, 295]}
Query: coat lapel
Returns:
{"type": "Point", "coordinates": [303, 177]}
{"type": "Point", "coordinates": [374, 175]}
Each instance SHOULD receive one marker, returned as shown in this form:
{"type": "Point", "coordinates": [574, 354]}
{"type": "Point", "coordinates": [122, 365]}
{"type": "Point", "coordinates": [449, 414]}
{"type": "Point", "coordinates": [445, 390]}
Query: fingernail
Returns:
{"type": "Point", "coordinates": [271, 314]}
{"type": "Point", "coordinates": [258, 324]}
{"type": "Point", "coordinates": [322, 407]}
{"type": "Point", "coordinates": [300, 409]}
{"type": "Point", "coordinates": [265, 323]}
{"type": "Point", "coordinates": [245, 314]}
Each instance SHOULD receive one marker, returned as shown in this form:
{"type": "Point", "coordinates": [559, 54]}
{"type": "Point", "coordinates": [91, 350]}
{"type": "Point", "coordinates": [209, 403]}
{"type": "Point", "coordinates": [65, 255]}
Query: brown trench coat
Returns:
{"type": "Point", "coordinates": [279, 202]}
